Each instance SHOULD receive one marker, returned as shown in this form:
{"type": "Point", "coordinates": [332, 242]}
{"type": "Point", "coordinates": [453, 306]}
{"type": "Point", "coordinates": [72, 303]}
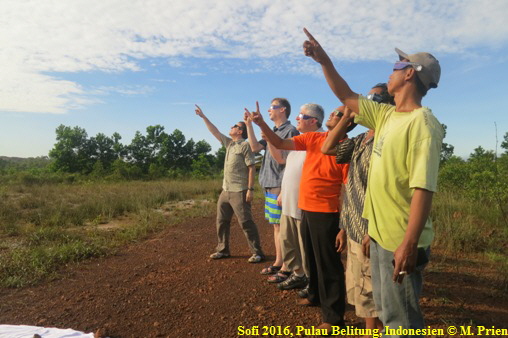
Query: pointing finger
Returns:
{"type": "Point", "coordinates": [308, 34]}
{"type": "Point", "coordinates": [257, 106]}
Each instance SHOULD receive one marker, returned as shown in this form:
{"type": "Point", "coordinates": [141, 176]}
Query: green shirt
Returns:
{"type": "Point", "coordinates": [405, 156]}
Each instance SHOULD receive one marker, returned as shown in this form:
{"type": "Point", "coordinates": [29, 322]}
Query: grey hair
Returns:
{"type": "Point", "coordinates": [315, 110]}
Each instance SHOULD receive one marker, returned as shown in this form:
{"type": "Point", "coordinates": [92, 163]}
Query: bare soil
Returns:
{"type": "Point", "coordinates": [168, 287]}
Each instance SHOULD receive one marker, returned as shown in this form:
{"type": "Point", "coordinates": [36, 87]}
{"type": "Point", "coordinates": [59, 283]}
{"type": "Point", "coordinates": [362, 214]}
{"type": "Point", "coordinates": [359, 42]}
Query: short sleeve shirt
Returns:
{"type": "Point", "coordinates": [239, 157]}
{"type": "Point", "coordinates": [322, 177]}
{"type": "Point", "coordinates": [405, 156]}
{"type": "Point", "coordinates": [271, 172]}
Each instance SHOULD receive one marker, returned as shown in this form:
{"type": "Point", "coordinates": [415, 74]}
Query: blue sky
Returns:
{"type": "Point", "coordinates": [114, 66]}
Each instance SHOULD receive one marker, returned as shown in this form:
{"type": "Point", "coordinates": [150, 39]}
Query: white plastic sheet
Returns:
{"type": "Point", "coordinates": [25, 331]}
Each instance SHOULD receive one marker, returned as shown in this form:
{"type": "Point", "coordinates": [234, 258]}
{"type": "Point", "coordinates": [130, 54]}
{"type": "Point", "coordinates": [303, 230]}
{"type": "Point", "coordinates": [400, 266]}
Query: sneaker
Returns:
{"type": "Point", "coordinates": [293, 282]}
{"type": "Point", "coordinates": [255, 258]}
{"type": "Point", "coordinates": [304, 293]}
{"type": "Point", "coordinates": [218, 255]}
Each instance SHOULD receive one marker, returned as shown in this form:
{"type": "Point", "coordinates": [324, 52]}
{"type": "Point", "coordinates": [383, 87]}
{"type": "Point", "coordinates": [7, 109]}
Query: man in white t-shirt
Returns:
{"type": "Point", "coordinates": [293, 252]}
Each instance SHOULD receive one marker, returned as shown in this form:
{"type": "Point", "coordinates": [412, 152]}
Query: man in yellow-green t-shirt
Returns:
{"type": "Point", "coordinates": [402, 179]}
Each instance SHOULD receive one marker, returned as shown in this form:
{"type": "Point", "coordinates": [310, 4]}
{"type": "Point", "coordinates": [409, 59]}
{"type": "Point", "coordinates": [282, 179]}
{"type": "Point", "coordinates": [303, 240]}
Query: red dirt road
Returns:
{"type": "Point", "coordinates": [168, 287]}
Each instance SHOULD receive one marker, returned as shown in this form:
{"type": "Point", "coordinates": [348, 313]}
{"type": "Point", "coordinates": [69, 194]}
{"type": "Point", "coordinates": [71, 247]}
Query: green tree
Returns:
{"type": "Point", "coordinates": [71, 153]}
{"type": "Point", "coordinates": [220, 156]}
{"type": "Point", "coordinates": [138, 152]}
{"type": "Point", "coordinates": [178, 153]}
{"type": "Point", "coordinates": [446, 149]}
{"type": "Point", "coordinates": [504, 144]}
{"type": "Point", "coordinates": [201, 167]}
{"type": "Point", "coordinates": [103, 150]}
{"type": "Point", "coordinates": [150, 149]}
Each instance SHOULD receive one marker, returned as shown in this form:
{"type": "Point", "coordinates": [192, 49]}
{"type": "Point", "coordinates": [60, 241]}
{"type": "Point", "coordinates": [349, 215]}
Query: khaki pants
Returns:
{"type": "Point", "coordinates": [291, 243]}
{"type": "Point", "coordinates": [230, 203]}
{"type": "Point", "coordinates": [359, 281]}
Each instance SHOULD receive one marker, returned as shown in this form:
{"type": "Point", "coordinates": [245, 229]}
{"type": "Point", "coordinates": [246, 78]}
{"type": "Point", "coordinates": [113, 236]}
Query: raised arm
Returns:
{"type": "Point", "coordinates": [255, 146]}
{"type": "Point", "coordinates": [213, 129]}
{"type": "Point", "coordinates": [337, 133]}
{"type": "Point", "coordinates": [270, 135]}
{"type": "Point", "coordinates": [337, 84]}
{"type": "Point", "coordinates": [277, 154]}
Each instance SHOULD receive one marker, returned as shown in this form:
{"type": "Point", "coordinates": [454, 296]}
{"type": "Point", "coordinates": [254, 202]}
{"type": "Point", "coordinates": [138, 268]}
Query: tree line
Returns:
{"type": "Point", "coordinates": [157, 154]}
{"type": "Point", "coordinates": [154, 154]}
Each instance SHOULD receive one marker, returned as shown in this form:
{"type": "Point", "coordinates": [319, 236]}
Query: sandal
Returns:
{"type": "Point", "coordinates": [270, 270]}
{"type": "Point", "coordinates": [279, 277]}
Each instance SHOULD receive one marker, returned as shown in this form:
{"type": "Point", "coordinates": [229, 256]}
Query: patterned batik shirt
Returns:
{"type": "Point", "coordinates": [354, 193]}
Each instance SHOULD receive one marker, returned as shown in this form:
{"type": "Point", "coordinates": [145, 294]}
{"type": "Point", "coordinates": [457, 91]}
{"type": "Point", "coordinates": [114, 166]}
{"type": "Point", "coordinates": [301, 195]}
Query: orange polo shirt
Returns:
{"type": "Point", "coordinates": [322, 177]}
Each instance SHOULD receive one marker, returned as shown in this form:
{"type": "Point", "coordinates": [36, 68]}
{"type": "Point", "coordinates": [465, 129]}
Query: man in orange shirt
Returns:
{"type": "Point", "coordinates": [320, 187]}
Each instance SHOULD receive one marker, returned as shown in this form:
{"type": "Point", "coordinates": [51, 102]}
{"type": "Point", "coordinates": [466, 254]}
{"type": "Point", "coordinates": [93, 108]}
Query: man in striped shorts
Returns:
{"type": "Point", "coordinates": [270, 176]}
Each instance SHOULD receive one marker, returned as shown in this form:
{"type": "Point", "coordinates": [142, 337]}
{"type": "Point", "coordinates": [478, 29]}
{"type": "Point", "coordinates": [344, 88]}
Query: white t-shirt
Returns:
{"type": "Point", "coordinates": [291, 184]}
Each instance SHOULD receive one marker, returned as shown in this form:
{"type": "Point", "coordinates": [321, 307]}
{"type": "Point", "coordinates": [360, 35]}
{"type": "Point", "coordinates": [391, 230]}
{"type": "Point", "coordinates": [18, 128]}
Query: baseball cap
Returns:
{"type": "Point", "coordinates": [431, 70]}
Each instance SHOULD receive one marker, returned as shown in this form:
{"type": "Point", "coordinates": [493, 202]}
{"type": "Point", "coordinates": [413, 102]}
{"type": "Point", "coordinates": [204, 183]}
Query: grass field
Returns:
{"type": "Point", "coordinates": [43, 227]}
{"type": "Point", "coordinates": [46, 226]}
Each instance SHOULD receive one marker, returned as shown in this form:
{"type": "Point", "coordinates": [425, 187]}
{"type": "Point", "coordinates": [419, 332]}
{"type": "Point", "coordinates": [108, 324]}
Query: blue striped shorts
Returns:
{"type": "Point", "coordinates": [272, 209]}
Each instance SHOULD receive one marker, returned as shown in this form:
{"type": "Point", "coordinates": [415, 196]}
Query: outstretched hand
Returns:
{"type": "Point", "coordinates": [199, 112]}
{"type": "Point", "coordinates": [313, 49]}
{"type": "Point", "coordinates": [255, 116]}
{"type": "Point", "coordinates": [246, 117]}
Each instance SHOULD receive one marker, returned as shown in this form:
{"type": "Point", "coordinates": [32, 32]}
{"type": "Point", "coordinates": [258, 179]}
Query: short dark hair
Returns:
{"type": "Point", "coordinates": [385, 96]}
{"type": "Point", "coordinates": [244, 130]}
{"type": "Point", "coordinates": [285, 103]}
{"type": "Point", "coordinates": [351, 126]}
{"type": "Point", "coordinates": [420, 87]}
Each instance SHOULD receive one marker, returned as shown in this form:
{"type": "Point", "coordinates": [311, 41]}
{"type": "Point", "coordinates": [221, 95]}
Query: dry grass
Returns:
{"type": "Point", "coordinates": [43, 227]}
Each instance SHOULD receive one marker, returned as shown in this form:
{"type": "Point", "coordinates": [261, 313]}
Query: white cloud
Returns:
{"type": "Point", "coordinates": [41, 37]}
{"type": "Point", "coordinates": [123, 90]}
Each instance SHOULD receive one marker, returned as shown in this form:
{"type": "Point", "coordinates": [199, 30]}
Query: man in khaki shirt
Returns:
{"type": "Point", "coordinates": [237, 190]}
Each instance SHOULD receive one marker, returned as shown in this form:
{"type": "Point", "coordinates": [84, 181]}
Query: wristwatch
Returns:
{"type": "Point", "coordinates": [250, 188]}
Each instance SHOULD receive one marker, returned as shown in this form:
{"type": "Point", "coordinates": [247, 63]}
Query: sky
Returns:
{"type": "Point", "coordinates": [120, 66]}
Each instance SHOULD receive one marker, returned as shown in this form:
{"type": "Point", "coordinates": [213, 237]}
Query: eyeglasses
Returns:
{"type": "Point", "coordinates": [338, 113]}
{"type": "Point", "coordinates": [236, 126]}
{"type": "Point", "coordinates": [275, 107]}
{"type": "Point", "coordinates": [403, 64]}
{"type": "Point", "coordinates": [375, 97]}
{"type": "Point", "coordinates": [305, 117]}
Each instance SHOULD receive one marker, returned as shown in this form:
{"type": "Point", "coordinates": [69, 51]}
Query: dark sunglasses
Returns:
{"type": "Point", "coordinates": [305, 117]}
{"type": "Point", "coordinates": [338, 113]}
{"type": "Point", "coordinates": [236, 126]}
